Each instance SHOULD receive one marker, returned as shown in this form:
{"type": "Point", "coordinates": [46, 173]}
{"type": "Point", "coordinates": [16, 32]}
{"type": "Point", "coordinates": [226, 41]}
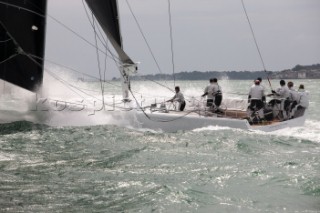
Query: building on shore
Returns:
{"type": "Point", "coordinates": [301, 74]}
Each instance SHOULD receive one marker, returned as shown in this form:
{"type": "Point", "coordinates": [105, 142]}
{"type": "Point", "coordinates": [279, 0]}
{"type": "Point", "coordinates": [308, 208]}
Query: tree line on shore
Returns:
{"type": "Point", "coordinates": [232, 75]}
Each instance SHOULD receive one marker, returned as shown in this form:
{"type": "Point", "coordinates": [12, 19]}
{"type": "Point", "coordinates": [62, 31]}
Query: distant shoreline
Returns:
{"type": "Point", "coordinates": [298, 72]}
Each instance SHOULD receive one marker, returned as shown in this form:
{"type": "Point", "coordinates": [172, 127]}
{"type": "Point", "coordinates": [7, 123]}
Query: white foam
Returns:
{"type": "Point", "coordinates": [310, 131]}
{"type": "Point", "coordinates": [211, 128]}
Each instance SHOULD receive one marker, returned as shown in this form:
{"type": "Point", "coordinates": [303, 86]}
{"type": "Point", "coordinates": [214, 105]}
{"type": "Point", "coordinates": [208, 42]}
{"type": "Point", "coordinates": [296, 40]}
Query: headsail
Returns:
{"type": "Point", "coordinates": [22, 42]}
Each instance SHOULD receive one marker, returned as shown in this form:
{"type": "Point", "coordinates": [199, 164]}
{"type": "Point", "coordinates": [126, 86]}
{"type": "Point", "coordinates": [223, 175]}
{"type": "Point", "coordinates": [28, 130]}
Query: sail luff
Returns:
{"type": "Point", "coordinates": [22, 26]}
{"type": "Point", "coordinates": [106, 13]}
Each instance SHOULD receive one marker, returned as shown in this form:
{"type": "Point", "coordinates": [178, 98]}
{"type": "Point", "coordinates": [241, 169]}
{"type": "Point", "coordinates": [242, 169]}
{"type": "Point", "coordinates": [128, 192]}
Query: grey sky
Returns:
{"type": "Point", "coordinates": [207, 35]}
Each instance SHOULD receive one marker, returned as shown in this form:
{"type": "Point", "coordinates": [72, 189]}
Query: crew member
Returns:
{"type": "Point", "coordinates": [259, 79]}
{"type": "Point", "coordinates": [208, 91]}
{"type": "Point", "coordinates": [256, 98]}
{"type": "Point", "coordinates": [303, 102]}
{"type": "Point", "coordinates": [293, 99]}
{"type": "Point", "coordinates": [282, 92]}
{"type": "Point", "coordinates": [281, 101]}
{"type": "Point", "coordinates": [178, 97]}
{"type": "Point", "coordinates": [293, 94]}
{"type": "Point", "coordinates": [304, 97]}
{"type": "Point", "coordinates": [214, 93]}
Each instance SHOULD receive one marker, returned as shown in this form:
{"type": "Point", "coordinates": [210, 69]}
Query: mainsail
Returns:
{"type": "Point", "coordinates": [106, 12]}
{"type": "Point", "coordinates": [22, 42]}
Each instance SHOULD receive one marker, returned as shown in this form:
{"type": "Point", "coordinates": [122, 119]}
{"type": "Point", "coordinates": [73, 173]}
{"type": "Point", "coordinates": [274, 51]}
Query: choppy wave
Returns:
{"type": "Point", "coordinates": [109, 168]}
{"type": "Point", "coordinates": [106, 168]}
{"type": "Point", "coordinates": [309, 132]}
{"type": "Point", "coordinates": [20, 127]}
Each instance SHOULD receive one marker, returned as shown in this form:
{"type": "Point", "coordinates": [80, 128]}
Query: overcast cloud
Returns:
{"type": "Point", "coordinates": [207, 35]}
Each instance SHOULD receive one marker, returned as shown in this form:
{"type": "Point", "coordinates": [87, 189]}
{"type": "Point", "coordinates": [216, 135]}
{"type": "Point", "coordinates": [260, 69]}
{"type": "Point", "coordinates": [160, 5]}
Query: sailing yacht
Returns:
{"type": "Point", "coordinates": [22, 64]}
{"type": "Point", "coordinates": [158, 117]}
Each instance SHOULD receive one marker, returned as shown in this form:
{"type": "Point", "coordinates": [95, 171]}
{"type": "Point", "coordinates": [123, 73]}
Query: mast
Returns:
{"type": "Point", "coordinates": [22, 42]}
{"type": "Point", "coordinates": [106, 13]}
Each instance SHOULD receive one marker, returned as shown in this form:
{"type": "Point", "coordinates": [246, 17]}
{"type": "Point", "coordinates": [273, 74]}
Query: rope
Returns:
{"type": "Point", "coordinates": [9, 58]}
{"type": "Point", "coordinates": [56, 77]}
{"type": "Point", "coordinates": [256, 43]}
{"type": "Point", "coordinates": [73, 70]}
{"type": "Point", "coordinates": [171, 40]}
{"type": "Point", "coordinates": [19, 49]}
{"type": "Point", "coordinates": [74, 88]}
{"type": "Point", "coordinates": [22, 8]}
{"type": "Point", "coordinates": [65, 83]}
{"type": "Point", "coordinates": [82, 38]}
{"type": "Point", "coordinates": [147, 43]}
{"type": "Point", "coordinates": [17, 45]}
{"type": "Point", "coordinates": [60, 23]}
{"type": "Point", "coordinates": [33, 57]}
{"type": "Point", "coordinates": [92, 23]}
{"type": "Point", "coordinates": [144, 37]}
{"type": "Point", "coordinates": [156, 120]}
{"type": "Point", "coordinates": [70, 86]}
{"type": "Point", "coordinates": [98, 60]}
{"type": "Point", "coordinates": [5, 40]}
{"type": "Point", "coordinates": [114, 58]}
{"type": "Point", "coordinates": [149, 48]}
{"type": "Point", "coordinates": [145, 78]}
{"type": "Point", "coordinates": [104, 42]}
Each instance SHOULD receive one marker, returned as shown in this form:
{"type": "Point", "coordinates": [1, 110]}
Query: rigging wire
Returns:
{"type": "Point", "coordinates": [9, 58]}
{"type": "Point", "coordinates": [91, 23]}
{"type": "Point", "coordinates": [22, 8]}
{"type": "Point", "coordinates": [85, 40]}
{"type": "Point", "coordinates": [151, 52]}
{"type": "Point", "coordinates": [144, 37]}
{"type": "Point", "coordinates": [104, 43]}
{"type": "Point", "coordinates": [22, 52]}
{"type": "Point", "coordinates": [18, 47]}
{"type": "Point", "coordinates": [255, 41]}
{"type": "Point", "coordinates": [73, 70]}
{"type": "Point", "coordinates": [70, 86]}
{"type": "Point", "coordinates": [73, 88]}
{"type": "Point", "coordinates": [5, 40]}
{"type": "Point", "coordinates": [67, 84]}
{"type": "Point", "coordinates": [95, 46]}
{"type": "Point", "coordinates": [146, 79]}
{"type": "Point", "coordinates": [159, 120]}
{"type": "Point", "coordinates": [105, 53]}
{"type": "Point", "coordinates": [101, 37]}
{"type": "Point", "coordinates": [114, 57]}
{"type": "Point", "coordinates": [98, 60]}
{"type": "Point", "coordinates": [60, 23]}
{"type": "Point", "coordinates": [171, 41]}
{"type": "Point", "coordinates": [146, 41]}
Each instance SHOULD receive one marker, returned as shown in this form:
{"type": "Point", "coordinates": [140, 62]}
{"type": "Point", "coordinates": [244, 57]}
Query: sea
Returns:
{"type": "Point", "coordinates": [102, 167]}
